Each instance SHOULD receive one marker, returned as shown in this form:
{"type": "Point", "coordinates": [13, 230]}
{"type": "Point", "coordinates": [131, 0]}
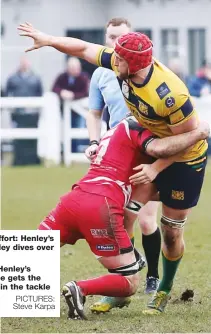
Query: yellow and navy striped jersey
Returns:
{"type": "Point", "coordinates": [161, 102]}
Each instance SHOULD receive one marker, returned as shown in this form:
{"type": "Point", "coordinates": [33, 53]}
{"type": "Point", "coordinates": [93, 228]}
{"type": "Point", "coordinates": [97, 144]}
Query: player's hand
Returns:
{"type": "Point", "coordinates": [146, 175]}
{"type": "Point", "coordinates": [91, 151]}
{"type": "Point", "coordinates": [204, 129]}
{"type": "Point", "coordinates": [40, 39]}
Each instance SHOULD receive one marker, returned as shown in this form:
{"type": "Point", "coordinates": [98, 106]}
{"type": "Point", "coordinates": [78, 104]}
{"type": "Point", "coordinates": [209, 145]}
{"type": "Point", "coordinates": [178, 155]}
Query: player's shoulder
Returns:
{"type": "Point", "coordinates": [131, 124]}
{"type": "Point", "coordinates": [167, 81]}
{"type": "Point", "coordinates": [101, 72]}
{"type": "Point", "coordinates": [170, 90]}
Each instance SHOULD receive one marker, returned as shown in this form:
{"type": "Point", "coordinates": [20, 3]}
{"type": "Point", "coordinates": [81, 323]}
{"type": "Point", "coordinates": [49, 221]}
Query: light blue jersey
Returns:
{"type": "Point", "coordinates": [105, 91]}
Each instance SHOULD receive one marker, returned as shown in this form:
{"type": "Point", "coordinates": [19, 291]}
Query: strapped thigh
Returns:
{"type": "Point", "coordinates": [134, 206]}
{"type": "Point", "coordinates": [128, 270]}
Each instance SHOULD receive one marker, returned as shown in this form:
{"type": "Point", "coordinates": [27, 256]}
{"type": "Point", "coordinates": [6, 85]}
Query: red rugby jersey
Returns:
{"type": "Point", "coordinates": [120, 150]}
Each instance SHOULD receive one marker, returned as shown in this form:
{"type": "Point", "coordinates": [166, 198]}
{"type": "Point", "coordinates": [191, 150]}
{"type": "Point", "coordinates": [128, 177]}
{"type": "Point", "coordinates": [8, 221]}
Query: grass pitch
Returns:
{"type": "Point", "coordinates": [29, 193]}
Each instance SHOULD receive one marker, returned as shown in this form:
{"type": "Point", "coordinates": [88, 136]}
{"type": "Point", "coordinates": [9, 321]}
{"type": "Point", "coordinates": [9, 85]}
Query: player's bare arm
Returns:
{"type": "Point", "coordinates": [93, 122]}
{"type": "Point", "coordinates": [190, 124]}
{"type": "Point", "coordinates": [168, 150]}
{"type": "Point", "coordinates": [169, 146]}
{"type": "Point", "coordinates": [71, 46]}
{"type": "Point", "coordinates": [148, 172]}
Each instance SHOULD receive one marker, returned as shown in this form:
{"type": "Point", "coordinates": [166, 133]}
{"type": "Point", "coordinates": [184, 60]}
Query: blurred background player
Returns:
{"type": "Point", "coordinates": [105, 93]}
{"type": "Point", "coordinates": [25, 83]}
{"type": "Point", "coordinates": [94, 209]}
{"type": "Point", "coordinates": [200, 84]}
{"type": "Point", "coordinates": [156, 97]}
{"type": "Point", "coordinates": [73, 84]}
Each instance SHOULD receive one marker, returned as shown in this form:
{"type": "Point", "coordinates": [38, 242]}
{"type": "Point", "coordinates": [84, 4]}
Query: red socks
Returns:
{"type": "Point", "coordinates": [112, 285]}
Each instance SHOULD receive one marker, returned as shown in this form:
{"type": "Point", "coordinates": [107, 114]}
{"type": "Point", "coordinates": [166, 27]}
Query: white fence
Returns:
{"type": "Point", "coordinates": [52, 131]}
{"type": "Point", "coordinates": [48, 132]}
{"type": "Point", "coordinates": [69, 133]}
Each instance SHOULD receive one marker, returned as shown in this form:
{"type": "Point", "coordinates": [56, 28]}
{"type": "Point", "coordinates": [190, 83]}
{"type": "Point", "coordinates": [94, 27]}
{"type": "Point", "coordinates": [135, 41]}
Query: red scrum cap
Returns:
{"type": "Point", "coordinates": [136, 49]}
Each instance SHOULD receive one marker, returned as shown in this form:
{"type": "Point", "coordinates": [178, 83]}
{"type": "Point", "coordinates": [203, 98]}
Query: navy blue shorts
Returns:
{"type": "Point", "coordinates": [180, 184]}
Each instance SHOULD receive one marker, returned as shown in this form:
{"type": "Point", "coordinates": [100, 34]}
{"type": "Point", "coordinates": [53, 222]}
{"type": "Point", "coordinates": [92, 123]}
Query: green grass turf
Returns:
{"type": "Point", "coordinates": [29, 193]}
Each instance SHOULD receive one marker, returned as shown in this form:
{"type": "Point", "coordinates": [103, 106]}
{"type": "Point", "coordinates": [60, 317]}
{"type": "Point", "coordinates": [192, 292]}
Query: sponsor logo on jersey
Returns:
{"type": "Point", "coordinates": [99, 233]}
{"type": "Point", "coordinates": [143, 108]}
{"type": "Point", "coordinates": [162, 90]}
{"type": "Point", "coordinates": [170, 102]}
{"type": "Point", "coordinates": [105, 247]}
{"type": "Point", "coordinates": [178, 195]}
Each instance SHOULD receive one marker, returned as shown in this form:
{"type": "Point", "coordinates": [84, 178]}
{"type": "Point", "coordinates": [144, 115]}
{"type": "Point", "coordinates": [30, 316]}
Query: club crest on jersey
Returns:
{"type": "Point", "coordinates": [125, 89]}
{"type": "Point", "coordinates": [143, 108]}
{"type": "Point", "coordinates": [170, 102]}
{"type": "Point", "coordinates": [178, 195]}
{"type": "Point", "coordinates": [162, 90]}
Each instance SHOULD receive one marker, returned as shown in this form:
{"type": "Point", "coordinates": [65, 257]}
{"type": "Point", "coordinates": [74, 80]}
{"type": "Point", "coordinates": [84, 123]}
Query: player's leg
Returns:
{"type": "Point", "coordinates": [151, 242]}
{"type": "Point", "coordinates": [110, 242]}
{"type": "Point", "coordinates": [179, 195]}
{"type": "Point", "coordinates": [172, 223]}
{"type": "Point", "coordinates": [147, 217]}
{"type": "Point", "coordinates": [61, 219]}
{"type": "Point", "coordinates": [106, 303]}
{"type": "Point", "coordinates": [140, 196]}
{"type": "Point", "coordinates": [122, 281]}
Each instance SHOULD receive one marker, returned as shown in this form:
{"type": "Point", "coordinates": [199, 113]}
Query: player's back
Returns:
{"type": "Point", "coordinates": [119, 151]}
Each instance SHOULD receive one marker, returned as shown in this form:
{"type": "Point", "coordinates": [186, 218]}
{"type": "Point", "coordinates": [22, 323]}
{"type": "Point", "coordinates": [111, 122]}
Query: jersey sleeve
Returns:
{"type": "Point", "coordinates": [105, 58]}
{"type": "Point", "coordinates": [144, 138]}
{"type": "Point", "coordinates": [178, 109]}
{"type": "Point", "coordinates": [96, 101]}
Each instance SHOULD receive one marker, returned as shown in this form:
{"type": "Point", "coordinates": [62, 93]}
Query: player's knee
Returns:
{"type": "Point", "coordinates": [170, 238]}
{"type": "Point", "coordinates": [134, 283]}
{"type": "Point", "coordinates": [147, 224]}
{"type": "Point", "coordinates": [172, 230]}
{"type": "Point", "coordinates": [148, 218]}
{"type": "Point", "coordinates": [129, 270]}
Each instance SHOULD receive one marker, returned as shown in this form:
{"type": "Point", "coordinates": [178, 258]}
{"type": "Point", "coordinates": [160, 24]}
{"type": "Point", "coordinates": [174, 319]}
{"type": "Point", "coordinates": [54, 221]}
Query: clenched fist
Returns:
{"type": "Point", "coordinates": [91, 151]}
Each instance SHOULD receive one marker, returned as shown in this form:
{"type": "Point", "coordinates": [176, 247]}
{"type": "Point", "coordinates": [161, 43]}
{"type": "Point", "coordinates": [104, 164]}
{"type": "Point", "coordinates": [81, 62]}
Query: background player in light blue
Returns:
{"type": "Point", "coordinates": [105, 93]}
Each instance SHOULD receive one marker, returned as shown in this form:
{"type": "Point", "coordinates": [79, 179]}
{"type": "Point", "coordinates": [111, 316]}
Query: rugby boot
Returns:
{"type": "Point", "coordinates": [75, 300]}
{"type": "Point", "coordinates": [158, 303]}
